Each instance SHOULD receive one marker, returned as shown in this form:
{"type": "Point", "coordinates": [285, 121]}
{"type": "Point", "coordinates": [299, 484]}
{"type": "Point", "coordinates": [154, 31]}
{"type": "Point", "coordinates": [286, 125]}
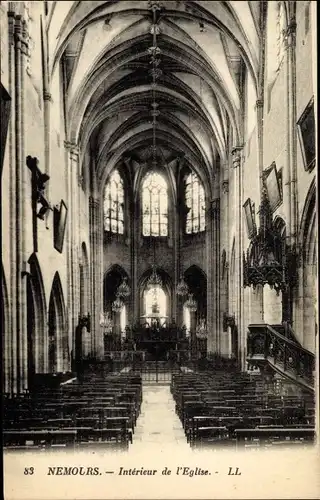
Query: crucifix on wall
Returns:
{"type": "Point", "coordinates": [38, 196]}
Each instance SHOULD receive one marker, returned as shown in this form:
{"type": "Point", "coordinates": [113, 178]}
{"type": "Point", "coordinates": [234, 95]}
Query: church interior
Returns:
{"type": "Point", "coordinates": [159, 224]}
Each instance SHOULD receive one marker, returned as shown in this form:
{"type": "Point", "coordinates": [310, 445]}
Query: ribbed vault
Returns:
{"type": "Point", "coordinates": [206, 48]}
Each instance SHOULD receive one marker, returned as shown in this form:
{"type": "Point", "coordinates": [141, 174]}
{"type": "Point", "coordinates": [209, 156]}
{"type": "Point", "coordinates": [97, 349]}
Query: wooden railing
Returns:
{"type": "Point", "coordinates": [265, 344]}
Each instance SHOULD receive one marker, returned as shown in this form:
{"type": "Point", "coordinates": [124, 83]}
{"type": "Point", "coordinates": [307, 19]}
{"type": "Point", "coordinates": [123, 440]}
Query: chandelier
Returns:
{"type": "Point", "coordinates": [154, 280]}
{"type": "Point", "coordinates": [117, 305]}
{"type": "Point", "coordinates": [201, 330]}
{"type": "Point", "coordinates": [155, 306]}
{"type": "Point", "coordinates": [106, 322]}
{"type": "Point", "coordinates": [182, 288]}
{"type": "Point", "coordinates": [123, 289]}
{"type": "Point", "coordinates": [191, 304]}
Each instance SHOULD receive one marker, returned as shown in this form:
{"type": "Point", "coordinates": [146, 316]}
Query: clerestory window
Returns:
{"type": "Point", "coordinates": [154, 205]}
{"type": "Point", "coordinates": [114, 204]}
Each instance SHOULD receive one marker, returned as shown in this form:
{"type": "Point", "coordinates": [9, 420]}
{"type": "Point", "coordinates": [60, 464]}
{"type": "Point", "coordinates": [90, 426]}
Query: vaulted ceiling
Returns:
{"type": "Point", "coordinates": [206, 46]}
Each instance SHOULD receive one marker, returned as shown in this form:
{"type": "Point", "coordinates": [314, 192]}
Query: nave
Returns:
{"type": "Point", "coordinates": [159, 208]}
{"type": "Point", "coordinates": [117, 411]}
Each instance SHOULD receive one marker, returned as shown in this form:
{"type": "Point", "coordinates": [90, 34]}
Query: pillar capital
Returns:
{"type": "Point", "coordinates": [289, 35]}
{"type": "Point", "coordinates": [94, 202]}
{"type": "Point", "coordinates": [236, 156]}
{"type": "Point", "coordinates": [73, 149]}
{"type": "Point", "coordinates": [47, 96]}
{"type": "Point", "coordinates": [225, 186]}
{"type": "Point", "coordinates": [214, 209]}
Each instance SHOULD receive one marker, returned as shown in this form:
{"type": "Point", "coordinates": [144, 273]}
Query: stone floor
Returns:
{"type": "Point", "coordinates": [158, 423]}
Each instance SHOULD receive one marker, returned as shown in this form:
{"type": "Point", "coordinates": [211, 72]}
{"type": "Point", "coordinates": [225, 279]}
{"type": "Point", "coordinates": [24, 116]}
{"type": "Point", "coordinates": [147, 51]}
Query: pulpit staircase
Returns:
{"type": "Point", "coordinates": [275, 349]}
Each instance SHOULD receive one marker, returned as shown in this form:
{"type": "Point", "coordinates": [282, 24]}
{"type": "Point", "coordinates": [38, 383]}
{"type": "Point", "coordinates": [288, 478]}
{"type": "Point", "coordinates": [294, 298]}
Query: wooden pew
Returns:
{"type": "Point", "coordinates": [269, 435]}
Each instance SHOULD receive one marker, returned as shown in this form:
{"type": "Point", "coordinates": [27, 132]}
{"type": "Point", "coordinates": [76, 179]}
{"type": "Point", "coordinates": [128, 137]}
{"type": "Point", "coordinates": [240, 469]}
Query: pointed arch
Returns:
{"type": "Point", "coordinates": [37, 339]}
{"type": "Point", "coordinates": [166, 290]}
{"type": "Point", "coordinates": [59, 355]}
{"type": "Point", "coordinates": [308, 256]}
{"type": "Point", "coordinates": [307, 233]}
{"type": "Point", "coordinates": [196, 279]}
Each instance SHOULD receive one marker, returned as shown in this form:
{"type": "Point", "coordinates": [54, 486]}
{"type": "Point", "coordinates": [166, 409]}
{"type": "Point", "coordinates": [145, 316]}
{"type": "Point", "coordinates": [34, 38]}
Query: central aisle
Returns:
{"type": "Point", "coordinates": [158, 423]}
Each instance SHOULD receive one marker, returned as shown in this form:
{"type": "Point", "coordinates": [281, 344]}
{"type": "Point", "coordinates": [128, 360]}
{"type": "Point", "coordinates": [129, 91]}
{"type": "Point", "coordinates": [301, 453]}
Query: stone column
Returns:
{"type": "Point", "coordinates": [224, 245]}
{"type": "Point", "coordinates": [20, 50]}
{"type": "Point", "coordinates": [136, 244]}
{"type": "Point", "coordinates": [176, 253]}
{"type": "Point", "coordinates": [72, 243]}
{"type": "Point", "coordinates": [238, 214]}
{"type": "Point", "coordinates": [290, 46]}
{"type": "Point", "coordinates": [96, 231]}
{"type": "Point", "coordinates": [273, 306]}
{"type": "Point", "coordinates": [309, 310]}
{"type": "Point", "coordinates": [256, 305]}
{"type": "Point", "coordinates": [215, 272]}
{"type": "Point", "coordinates": [13, 332]}
{"type": "Point", "coordinates": [25, 207]}
{"type": "Point", "coordinates": [210, 257]}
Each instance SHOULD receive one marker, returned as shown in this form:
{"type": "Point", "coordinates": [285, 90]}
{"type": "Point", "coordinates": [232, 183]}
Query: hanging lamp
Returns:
{"type": "Point", "coordinates": [124, 289]}
{"type": "Point", "coordinates": [117, 305]}
{"type": "Point", "coordinates": [191, 304]}
{"type": "Point", "coordinates": [182, 288]}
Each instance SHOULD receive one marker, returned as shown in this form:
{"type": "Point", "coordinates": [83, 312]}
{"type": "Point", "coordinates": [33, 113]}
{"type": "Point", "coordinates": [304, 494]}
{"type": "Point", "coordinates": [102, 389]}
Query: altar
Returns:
{"type": "Point", "coordinates": [157, 338]}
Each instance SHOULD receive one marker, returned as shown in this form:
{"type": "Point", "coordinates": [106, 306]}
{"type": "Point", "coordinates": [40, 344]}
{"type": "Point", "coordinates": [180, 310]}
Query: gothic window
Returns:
{"type": "Point", "coordinates": [195, 203]}
{"type": "Point", "coordinates": [114, 204]}
{"type": "Point", "coordinates": [154, 205]}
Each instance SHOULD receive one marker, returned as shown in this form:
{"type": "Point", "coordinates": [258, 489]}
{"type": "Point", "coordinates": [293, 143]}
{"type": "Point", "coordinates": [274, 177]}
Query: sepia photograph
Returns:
{"type": "Point", "coordinates": [159, 275]}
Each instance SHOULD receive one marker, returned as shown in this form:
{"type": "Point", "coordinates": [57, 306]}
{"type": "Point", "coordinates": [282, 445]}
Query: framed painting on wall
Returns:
{"type": "Point", "coordinates": [59, 225]}
{"type": "Point", "coordinates": [249, 216]}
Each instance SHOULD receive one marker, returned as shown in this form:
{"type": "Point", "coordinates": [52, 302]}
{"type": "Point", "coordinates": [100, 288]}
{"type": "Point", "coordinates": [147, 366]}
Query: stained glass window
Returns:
{"type": "Point", "coordinates": [114, 204]}
{"type": "Point", "coordinates": [154, 205]}
{"type": "Point", "coordinates": [195, 202]}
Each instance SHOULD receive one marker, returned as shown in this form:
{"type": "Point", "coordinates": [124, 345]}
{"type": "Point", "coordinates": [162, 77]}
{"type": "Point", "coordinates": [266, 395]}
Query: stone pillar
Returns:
{"type": "Point", "coordinates": [215, 272]}
{"type": "Point", "coordinates": [175, 316]}
{"type": "Point", "coordinates": [47, 101]}
{"type": "Point", "coordinates": [25, 207]}
{"type": "Point", "coordinates": [256, 313]}
{"type": "Point", "coordinates": [309, 310]}
{"type": "Point", "coordinates": [73, 285]}
{"type": "Point", "coordinates": [224, 271]}
{"type": "Point", "coordinates": [291, 184]}
{"type": "Point", "coordinates": [13, 332]}
{"type": "Point", "coordinates": [210, 257]}
{"type": "Point", "coordinates": [238, 277]}
{"type": "Point", "coordinates": [272, 305]}
{"type": "Point", "coordinates": [17, 36]}
{"type": "Point", "coordinates": [96, 231]}
{"type": "Point", "coordinates": [136, 244]}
